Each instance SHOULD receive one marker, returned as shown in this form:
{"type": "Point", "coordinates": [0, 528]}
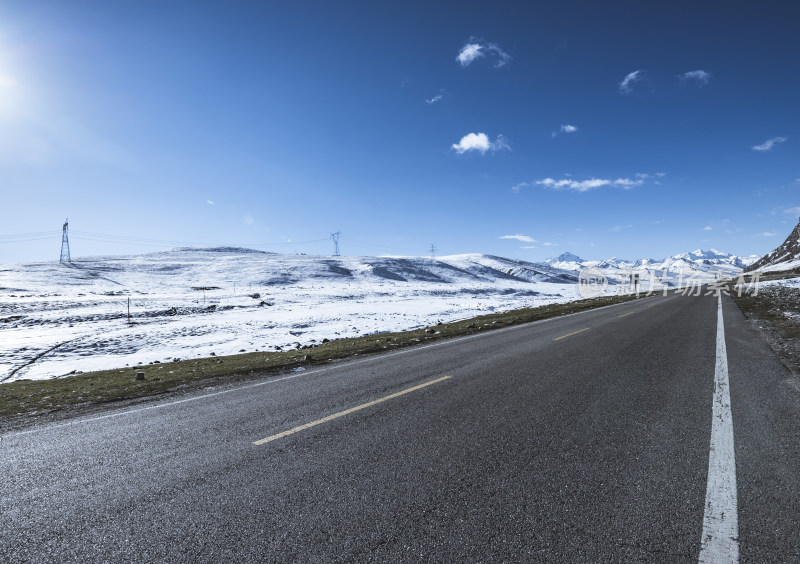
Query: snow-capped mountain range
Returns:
{"type": "Point", "coordinates": [694, 263]}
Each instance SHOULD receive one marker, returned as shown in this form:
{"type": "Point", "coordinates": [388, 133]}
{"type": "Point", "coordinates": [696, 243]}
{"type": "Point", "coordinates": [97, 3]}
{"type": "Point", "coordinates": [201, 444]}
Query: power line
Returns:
{"type": "Point", "coordinates": [143, 243]}
{"type": "Point", "coordinates": [98, 240]}
{"type": "Point", "coordinates": [103, 237]}
{"type": "Point", "coordinates": [109, 238]}
{"type": "Point", "coordinates": [46, 238]}
{"type": "Point", "coordinates": [298, 242]}
{"type": "Point", "coordinates": [128, 238]}
{"type": "Point", "coordinates": [22, 237]}
{"type": "Point", "coordinates": [365, 244]}
{"type": "Point", "coordinates": [370, 246]}
{"type": "Point", "coordinates": [406, 250]}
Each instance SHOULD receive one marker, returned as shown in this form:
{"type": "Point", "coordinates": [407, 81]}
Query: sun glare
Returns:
{"type": "Point", "coordinates": [10, 98]}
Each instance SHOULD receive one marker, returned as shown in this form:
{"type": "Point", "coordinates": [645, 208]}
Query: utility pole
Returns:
{"type": "Point", "coordinates": [65, 243]}
{"type": "Point", "coordinates": [433, 251]}
{"type": "Point", "coordinates": [335, 238]}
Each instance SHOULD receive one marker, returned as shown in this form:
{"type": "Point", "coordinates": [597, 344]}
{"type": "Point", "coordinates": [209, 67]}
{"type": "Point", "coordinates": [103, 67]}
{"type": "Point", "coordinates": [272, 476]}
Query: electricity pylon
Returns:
{"type": "Point", "coordinates": [65, 243]}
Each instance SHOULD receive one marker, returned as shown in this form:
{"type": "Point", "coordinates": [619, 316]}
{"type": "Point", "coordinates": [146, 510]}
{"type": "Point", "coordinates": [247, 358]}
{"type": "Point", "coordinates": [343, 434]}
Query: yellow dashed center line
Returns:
{"type": "Point", "coordinates": [347, 412]}
{"type": "Point", "coordinates": [571, 334]}
{"type": "Point", "coordinates": [624, 314]}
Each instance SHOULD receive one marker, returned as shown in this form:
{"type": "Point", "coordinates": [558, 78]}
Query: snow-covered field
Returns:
{"type": "Point", "coordinates": [785, 283]}
{"type": "Point", "coordinates": [781, 266]}
{"type": "Point", "coordinates": [55, 319]}
{"type": "Point", "coordinates": [187, 303]}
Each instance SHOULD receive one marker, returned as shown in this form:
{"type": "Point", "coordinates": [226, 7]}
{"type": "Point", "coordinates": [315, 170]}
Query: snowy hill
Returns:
{"type": "Point", "coordinates": [190, 302]}
{"type": "Point", "coordinates": [785, 257]}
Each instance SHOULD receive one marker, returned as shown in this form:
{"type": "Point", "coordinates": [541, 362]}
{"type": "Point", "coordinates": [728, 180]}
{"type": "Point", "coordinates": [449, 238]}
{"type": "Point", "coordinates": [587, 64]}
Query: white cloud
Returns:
{"type": "Point", "coordinates": [707, 228]}
{"type": "Point", "coordinates": [627, 183]}
{"type": "Point", "coordinates": [501, 58]}
{"type": "Point", "coordinates": [469, 53]}
{"type": "Point", "coordinates": [435, 99]}
{"type": "Point", "coordinates": [479, 142]}
{"type": "Point", "coordinates": [567, 184]}
{"type": "Point", "coordinates": [767, 234]}
{"type": "Point", "coordinates": [523, 238]}
{"type": "Point", "coordinates": [500, 143]}
{"type": "Point", "coordinates": [793, 211]}
{"type": "Point", "coordinates": [565, 129]}
{"type": "Point", "coordinates": [549, 244]}
{"type": "Point", "coordinates": [701, 77]}
{"type": "Point", "coordinates": [592, 183]}
{"type": "Point", "coordinates": [517, 187]}
{"type": "Point", "coordinates": [473, 142]}
{"type": "Point", "coordinates": [475, 49]}
{"type": "Point", "coordinates": [769, 144]}
{"type": "Point", "coordinates": [529, 247]}
{"type": "Point", "coordinates": [625, 87]}
{"type": "Point", "coordinates": [797, 181]}
{"type": "Point", "coordinates": [210, 202]}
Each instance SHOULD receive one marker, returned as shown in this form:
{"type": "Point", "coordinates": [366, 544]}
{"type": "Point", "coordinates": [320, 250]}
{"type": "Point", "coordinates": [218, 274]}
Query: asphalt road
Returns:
{"type": "Point", "coordinates": [579, 439]}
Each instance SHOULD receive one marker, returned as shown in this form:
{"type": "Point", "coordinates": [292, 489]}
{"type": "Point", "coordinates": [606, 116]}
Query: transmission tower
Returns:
{"type": "Point", "coordinates": [433, 251]}
{"type": "Point", "coordinates": [65, 243]}
{"type": "Point", "coordinates": [335, 237]}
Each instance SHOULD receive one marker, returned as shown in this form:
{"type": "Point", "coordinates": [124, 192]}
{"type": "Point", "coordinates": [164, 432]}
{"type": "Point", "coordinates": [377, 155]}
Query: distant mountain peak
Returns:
{"type": "Point", "coordinates": [699, 259]}
{"type": "Point", "coordinates": [708, 254]}
{"type": "Point", "coordinates": [567, 257]}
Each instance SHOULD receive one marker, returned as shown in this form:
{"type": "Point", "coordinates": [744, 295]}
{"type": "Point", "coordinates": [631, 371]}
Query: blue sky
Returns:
{"type": "Point", "coordinates": [635, 129]}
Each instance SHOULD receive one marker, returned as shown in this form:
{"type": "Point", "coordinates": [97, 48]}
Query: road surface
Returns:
{"type": "Point", "coordinates": [586, 438]}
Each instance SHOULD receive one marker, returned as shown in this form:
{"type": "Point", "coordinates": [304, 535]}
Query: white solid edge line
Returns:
{"type": "Point", "coordinates": [720, 540]}
{"type": "Point", "coordinates": [374, 358]}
